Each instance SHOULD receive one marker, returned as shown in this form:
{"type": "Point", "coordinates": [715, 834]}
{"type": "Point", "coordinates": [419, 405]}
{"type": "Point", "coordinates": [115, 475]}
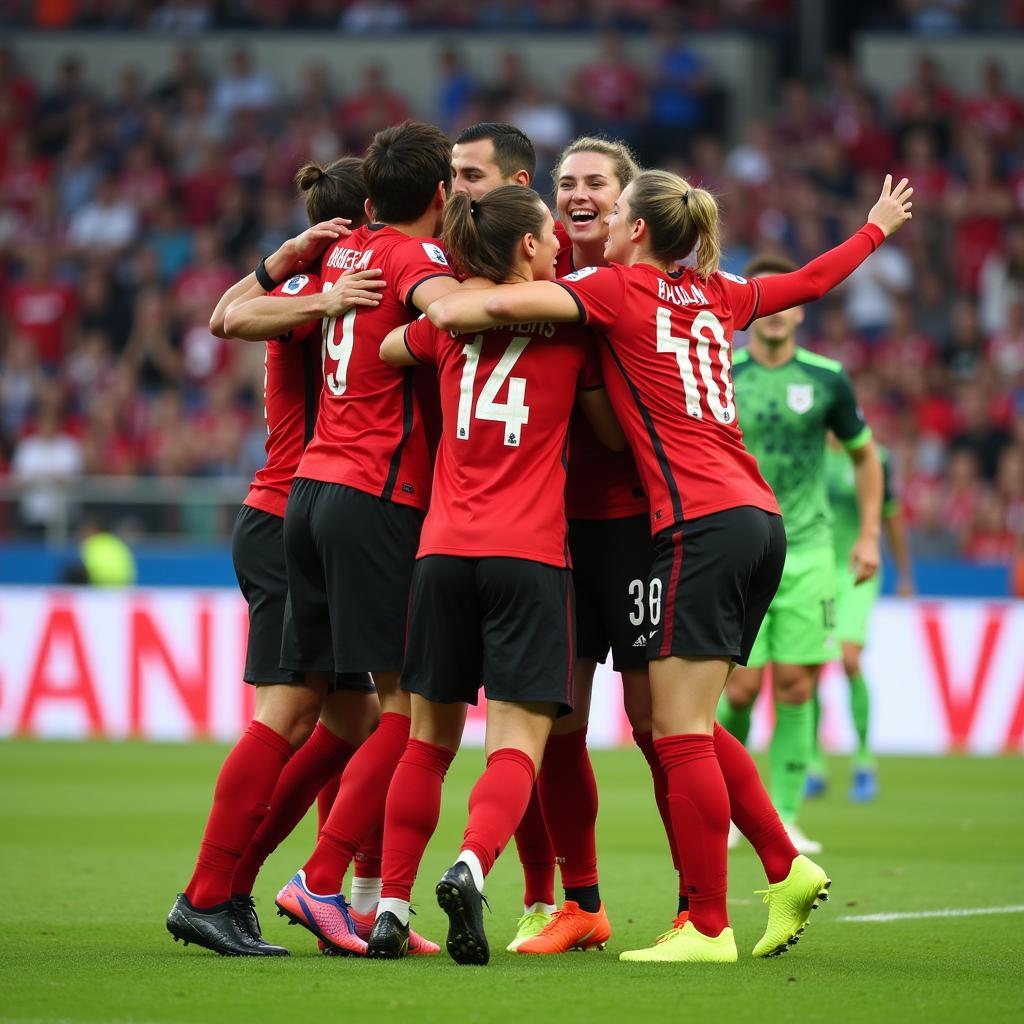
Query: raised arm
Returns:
{"type": "Point", "coordinates": [270, 316]}
{"type": "Point", "coordinates": [810, 282]}
{"type": "Point", "coordinates": [475, 309]}
{"type": "Point", "coordinates": [289, 257]}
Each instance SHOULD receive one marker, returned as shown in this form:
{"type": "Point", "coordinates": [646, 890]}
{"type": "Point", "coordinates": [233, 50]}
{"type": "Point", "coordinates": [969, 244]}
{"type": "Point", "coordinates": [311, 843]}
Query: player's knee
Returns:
{"type": "Point", "coordinates": [851, 665]}
{"type": "Point", "coordinates": [301, 726]}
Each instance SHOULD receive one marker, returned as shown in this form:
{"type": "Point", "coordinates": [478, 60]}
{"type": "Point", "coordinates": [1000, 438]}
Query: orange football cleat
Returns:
{"type": "Point", "coordinates": [571, 928]}
{"type": "Point", "coordinates": [680, 919]}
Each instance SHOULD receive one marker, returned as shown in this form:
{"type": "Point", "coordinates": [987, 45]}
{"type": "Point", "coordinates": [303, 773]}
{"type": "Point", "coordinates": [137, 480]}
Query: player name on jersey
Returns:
{"type": "Point", "coordinates": [680, 294]}
{"type": "Point", "coordinates": [350, 259]}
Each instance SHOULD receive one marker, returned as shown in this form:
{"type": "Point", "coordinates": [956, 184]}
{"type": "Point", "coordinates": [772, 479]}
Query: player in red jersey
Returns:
{"type": "Point", "coordinates": [492, 598]}
{"type": "Point", "coordinates": [216, 910]}
{"type": "Point", "coordinates": [718, 538]}
{"type": "Point", "coordinates": [353, 518]}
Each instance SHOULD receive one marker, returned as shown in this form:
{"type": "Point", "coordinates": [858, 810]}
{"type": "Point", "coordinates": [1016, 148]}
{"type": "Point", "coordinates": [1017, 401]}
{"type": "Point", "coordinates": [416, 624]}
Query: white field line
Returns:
{"type": "Point", "coordinates": [918, 915]}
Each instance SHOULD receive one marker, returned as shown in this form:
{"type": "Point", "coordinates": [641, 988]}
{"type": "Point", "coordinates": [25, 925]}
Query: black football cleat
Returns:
{"type": "Point", "coordinates": [247, 921]}
{"type": "Point", "coordinates": [459, 898]}
{"type": "Point", "coordinates": [389, 938]}
{"type": "Point", "coordinates": [216, 929]}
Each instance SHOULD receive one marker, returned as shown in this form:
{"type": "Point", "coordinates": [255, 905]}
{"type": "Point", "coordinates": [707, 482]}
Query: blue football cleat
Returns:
{"type": "Point", "coordinates": [864, 787]}
{"type": "Point", "coordinates": [815, 786]}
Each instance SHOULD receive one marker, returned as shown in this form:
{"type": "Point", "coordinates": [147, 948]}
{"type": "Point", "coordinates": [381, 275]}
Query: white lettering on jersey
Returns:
{"type": "Point", "coordinates": [350, 259]}
{"type": "Point", "coordinates": [735, 278]}
{"type": "Point", "coordinates": [435, 253]}
{"type": "Point", "coordinates": [678, 294]}
{"type": "Point", "coordinates": [578, 275]}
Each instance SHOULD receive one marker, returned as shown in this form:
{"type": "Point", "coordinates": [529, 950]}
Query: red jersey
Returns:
{"type": "Point", "coordinates": [506, 398]}
{"type": "Point", "coordinates": [666, 362]}
{"type": "Point", "coordinates": [602, 484]}
{"type": "Point", "coordinates": [43, 313]}
{"type": "Point", "coordinates": [369, 431]}
{"type": "Point", "coordinates": [291, 390]}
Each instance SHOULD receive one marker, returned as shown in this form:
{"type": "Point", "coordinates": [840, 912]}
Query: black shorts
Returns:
{"type": "Point", "coordinates": [712, 581]}
{"type": "Point", "coordinates": [350, 557]}
{"type": "Point", "coordinates": [611, 560]}
{"type": "Point", "coordinates": [506, 623]}
{"type": "Point", "coordinates": [257, 553]}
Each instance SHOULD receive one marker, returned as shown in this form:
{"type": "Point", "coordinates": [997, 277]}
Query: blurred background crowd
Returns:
{"type": "Point", "coordinates": [125, 213]}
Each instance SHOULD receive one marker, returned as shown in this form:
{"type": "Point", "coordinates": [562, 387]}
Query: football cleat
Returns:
{"type": "Point", "coordinates": [530, 924]}
{"type": "Point", "coordinates": [418, 945]}
{"type": "Point", "coordinates": [815, 785]}
{"type": "Point", "coordinates": [459, 898]}
{"type": "Point", "coordinates": [327, 917]}
{"type": "Point", "coordinates": [680, 919]}
{"type": "Point", "coordinates": [802, 843]}
{"type": "Point", "coordinates": [864, 787]}
{"type": "Point", "coordinates": [245, 916]}
{"type": "Point", "coordinates": [687, 945]}
{"type": "Point", "coordinates": [216, 928]}
{"type": "Point", "coordinates": [570, 928]}
{"type": "Point", "coordinates": [389, 938]}
{"type": "Point", "coordinates": [790, 903]}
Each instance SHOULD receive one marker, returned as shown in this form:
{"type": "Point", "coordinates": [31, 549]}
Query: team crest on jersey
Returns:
{"type": "Point", "coordinates": [800, 397]}
{"type": "Point", "coordinates": [295, 284]}
{"type": "Point", "coordinates": [435, 253]}
{"type": "Point", "coordinates": [578, 275]}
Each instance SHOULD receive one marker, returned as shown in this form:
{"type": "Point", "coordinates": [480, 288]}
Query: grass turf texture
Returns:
{"type": "Point", "coordinates": [96, 839]}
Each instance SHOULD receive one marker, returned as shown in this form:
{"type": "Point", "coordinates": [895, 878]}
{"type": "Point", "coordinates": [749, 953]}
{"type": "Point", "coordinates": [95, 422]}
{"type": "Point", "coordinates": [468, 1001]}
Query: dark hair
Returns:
{"type": "Point", "coordinates": [680, 218]}
{"type": "Point", "coordinates": [481, 235]}
{"type": "Point", "coordinates": [402, 167]}
{"type": "Point", "coordinates": [337, 190]}
{"type": "Point", "coordinates": [769, 263]}
{"type": "Point", "coordinates": [513, 150]}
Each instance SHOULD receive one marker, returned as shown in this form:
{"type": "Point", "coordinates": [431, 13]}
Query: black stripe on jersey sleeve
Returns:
{"type": "Point", "coordinates": [576, 299]}
{"type": "Point", "coordinates": [405, 339]}
{"type": "Point", "coordinates": [428, 277]}
{"type": "Point", "coordinates": [757, 303]}
{"type": "Point", "coordinates": [408, 409]}
{"type": "Point", "coordinates": [652, 434]}
{"type": "Point", "coordinates": [309, 389]}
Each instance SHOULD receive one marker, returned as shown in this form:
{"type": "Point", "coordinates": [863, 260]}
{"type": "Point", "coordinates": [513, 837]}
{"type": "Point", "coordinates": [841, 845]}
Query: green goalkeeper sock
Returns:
{"type": "Point", "coordinates": [860, 712]}
{"type": "Point", "coordinates": [788, 757]}
{"type": "Point", "coordinates": [816, 765]}
{"type": "Point", "coordinates": [735, 720]}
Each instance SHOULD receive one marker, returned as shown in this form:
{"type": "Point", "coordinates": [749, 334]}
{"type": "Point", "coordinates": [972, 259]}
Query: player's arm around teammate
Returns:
{"type": "Point", "coordinates": [703, 485]}
{"type": "Point", "coordinates": [492, 598]}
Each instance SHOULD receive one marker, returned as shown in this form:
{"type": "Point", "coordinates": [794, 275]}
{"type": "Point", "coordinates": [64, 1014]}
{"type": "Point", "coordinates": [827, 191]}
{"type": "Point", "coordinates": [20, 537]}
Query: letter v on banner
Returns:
{"type": "Point", "coordinates": [961, 708]}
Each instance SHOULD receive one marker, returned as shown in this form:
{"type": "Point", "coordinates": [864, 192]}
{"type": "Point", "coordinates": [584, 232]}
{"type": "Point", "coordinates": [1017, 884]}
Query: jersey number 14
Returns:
{"type": "Point", "coordinates": [513, 413]}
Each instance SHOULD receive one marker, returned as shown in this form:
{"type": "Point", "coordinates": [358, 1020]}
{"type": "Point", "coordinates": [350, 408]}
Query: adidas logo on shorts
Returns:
{"type": "Point", "coordinates": [640, 641]}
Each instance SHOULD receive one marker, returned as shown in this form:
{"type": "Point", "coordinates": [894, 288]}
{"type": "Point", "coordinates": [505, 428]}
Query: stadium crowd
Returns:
{"type": "Point", "coordinates": [125, 215]}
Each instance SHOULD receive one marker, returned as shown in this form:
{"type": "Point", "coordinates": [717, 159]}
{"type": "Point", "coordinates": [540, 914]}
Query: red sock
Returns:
{"type": "Point", "coordinates": [240, 800]}
{"type": "Point", "coordinates": [320, 757]}
{"type": "Point", "coordinates": [413, 807]}
{"type": "Point", "coordinates": [359, 806]}
{"type": "Point", "coordinates": [699, 803]}
{"type": "Point", "coordinates": [645, 741]}
{"type": "Point", "coordinates": [752, 808]}
{"type": "Point", "coordinates": [497, 804]}
{"type": "Point", "coordinates": [568, 797]}
{"type": "Point", "coordinates": [367, 862]}
{"type": "Point", "coordinates": [325, 801]}
{"type": "Point", "coordinates": [536, 855]}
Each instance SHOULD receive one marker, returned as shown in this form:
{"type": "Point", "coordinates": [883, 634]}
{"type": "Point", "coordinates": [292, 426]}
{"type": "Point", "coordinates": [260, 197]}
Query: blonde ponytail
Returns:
{"type": "Point", "coordinates": [680, 219]}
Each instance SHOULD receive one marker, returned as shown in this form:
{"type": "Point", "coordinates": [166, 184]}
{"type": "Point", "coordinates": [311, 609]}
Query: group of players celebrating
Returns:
{"type": "Point", "coordinates": [545, 465]}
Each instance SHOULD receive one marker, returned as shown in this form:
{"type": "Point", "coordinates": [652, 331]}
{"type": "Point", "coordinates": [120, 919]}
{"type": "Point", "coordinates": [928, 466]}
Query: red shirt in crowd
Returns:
{"type": "Point", "coordinates": [43, 313]}
{"type": "Point", "coordinates": [370, 433]}
{"type": "Point", "coordinates": [506, 398]}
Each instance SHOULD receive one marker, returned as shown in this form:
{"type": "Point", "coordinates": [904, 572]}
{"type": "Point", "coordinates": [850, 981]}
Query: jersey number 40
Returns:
{"type": "Point", "coordinates": [706, 328]}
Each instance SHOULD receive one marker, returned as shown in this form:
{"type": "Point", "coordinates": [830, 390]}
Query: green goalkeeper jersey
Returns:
{"type": "Point", "coordinates": [785, 413]}
{"type": "Point", "coordinates": [842, 496]}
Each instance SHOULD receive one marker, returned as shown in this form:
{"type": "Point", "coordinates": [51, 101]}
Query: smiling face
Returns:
{"type": "Point", "coordinates": [587, 188]}
{"type": "Point", "coordinates": [474, 169]}
{"type": "Point", "coordinates": [544, 248]}
{"type": "Point", "coordinates": [619, 246]}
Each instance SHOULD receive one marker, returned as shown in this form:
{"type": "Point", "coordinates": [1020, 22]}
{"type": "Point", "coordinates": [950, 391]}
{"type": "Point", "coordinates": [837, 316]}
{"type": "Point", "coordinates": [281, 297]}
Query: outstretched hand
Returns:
{"type": "Point", "coordinates": [892, 210]}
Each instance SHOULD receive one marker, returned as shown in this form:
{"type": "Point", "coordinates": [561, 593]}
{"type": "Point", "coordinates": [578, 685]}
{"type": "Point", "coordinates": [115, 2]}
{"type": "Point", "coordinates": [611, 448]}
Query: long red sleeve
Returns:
{"type": "Point", "coordinates": [810, 282]}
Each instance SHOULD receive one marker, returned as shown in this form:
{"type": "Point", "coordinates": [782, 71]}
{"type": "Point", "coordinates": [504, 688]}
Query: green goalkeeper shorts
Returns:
{"type": "Point", "coordinates": [853, 606]}
{"type": "Point", "coordinates": [798, 629]}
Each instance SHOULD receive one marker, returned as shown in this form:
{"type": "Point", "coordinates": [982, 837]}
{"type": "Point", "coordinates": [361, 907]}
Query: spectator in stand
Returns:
{"type": "Point", "coordinates": [152, 353]}
{"type": "Point", "coordinates": [607, 94]}
{"type": "Point", "coordinates": [242, 87]}
{"type": "Point", "coordinates": [170, 240]}
{"type": "Point", "coordinates": [46, 462]}
{"type": "Point", "coordinates": [104, 227]}
{"type": "Point", "coordinates": [995, 112]}
{"type": "Point", "coordinates": [984, 439]}
{"type": "Point", "coordinates": [1001, 281]}
{"type": "Point", "coordinates": [926, 101]}
{"type": "Point", "coordinates": [20, 380]}
{"type": "Point", "coordinates": [61, 108]}
{"type": "Point", "coordinates": [186, 74]}
{"type": "Point", "coordinates": [1005, 349]}
{"type": "Point", "coordinates": [102, 307]}
{"type": "Point", "coordinates": [457, 91]}
{"type": "Point", "coordinates": [41, 307]}
{"type": "Point", "coordinates": [78, 171]}
{"type": "Point", "coordinates": [375, 106]}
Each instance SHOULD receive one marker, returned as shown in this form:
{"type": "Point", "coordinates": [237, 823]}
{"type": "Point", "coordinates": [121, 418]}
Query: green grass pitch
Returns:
{"type": "Point", "coordinates": [96, 839]}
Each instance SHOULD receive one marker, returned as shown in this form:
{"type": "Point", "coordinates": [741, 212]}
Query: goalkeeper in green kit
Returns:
{"type": "Point", "coordinates": [788, 401]}
{"type": "Point", "coordinates": [853, 610]}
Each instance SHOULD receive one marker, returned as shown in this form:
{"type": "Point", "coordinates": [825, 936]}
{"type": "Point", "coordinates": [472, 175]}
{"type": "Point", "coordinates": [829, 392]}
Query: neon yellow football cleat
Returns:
{"type": "Point", "coordinates": [533, 922]}
{"type": "Point", "coordinates": [790, 903]}
{"type": "Point", "coordinates": [687, 945]}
